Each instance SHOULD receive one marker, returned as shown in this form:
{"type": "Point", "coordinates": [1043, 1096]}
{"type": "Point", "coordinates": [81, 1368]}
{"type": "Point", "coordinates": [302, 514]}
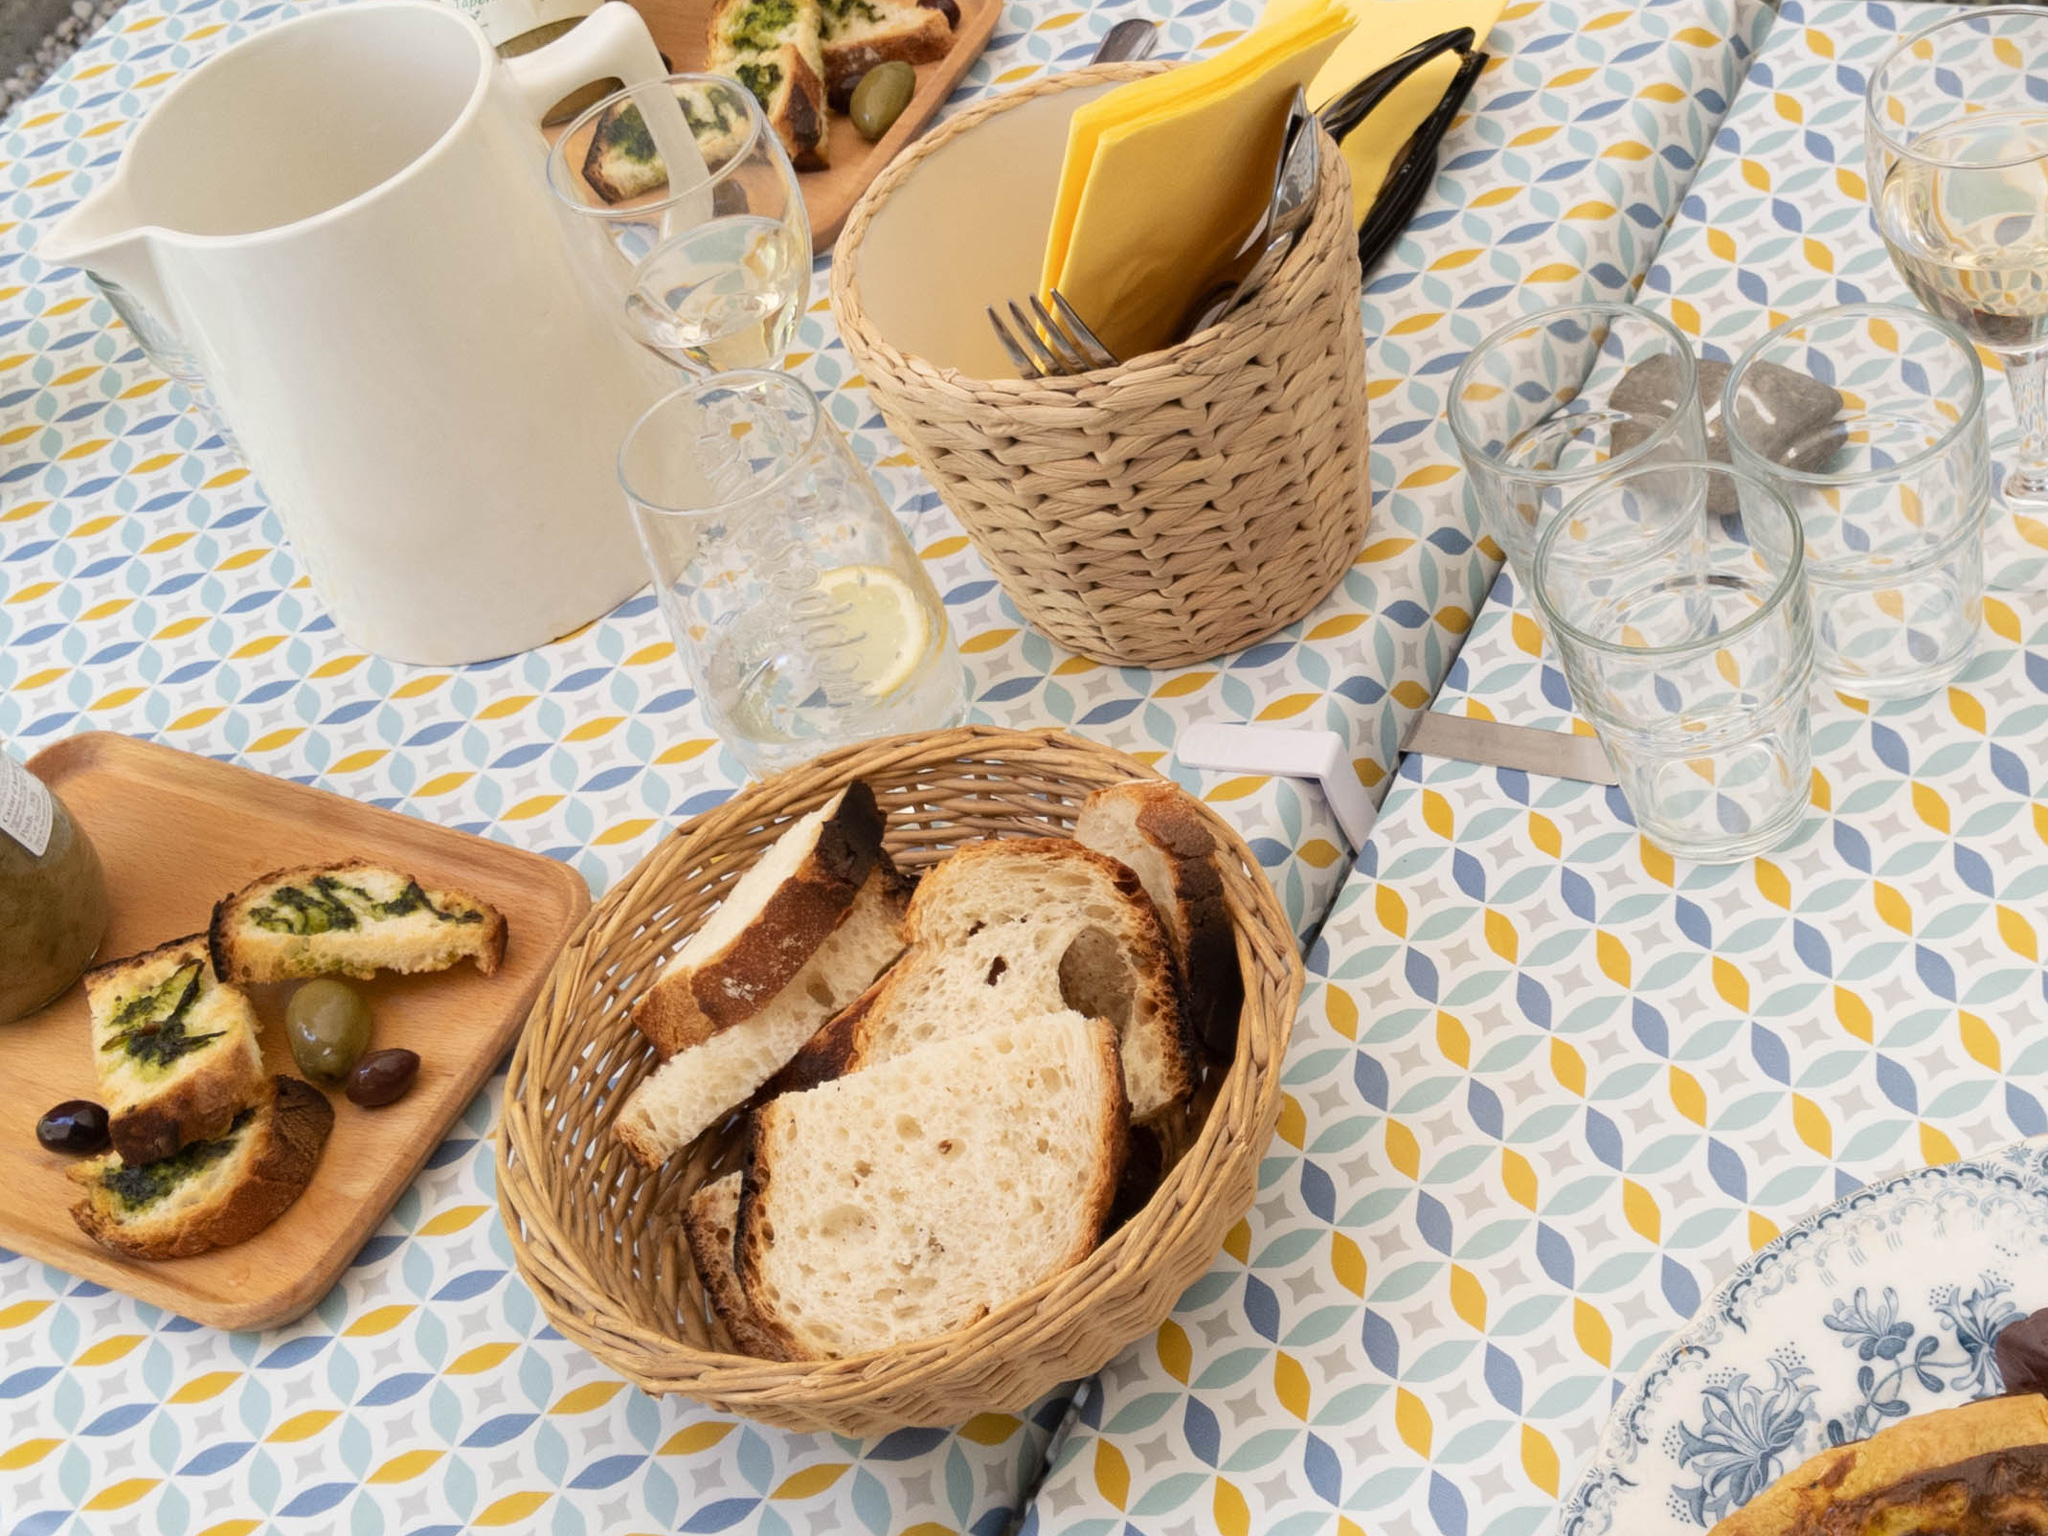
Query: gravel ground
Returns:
{"type": "Point", "coordinates": [32, 58]}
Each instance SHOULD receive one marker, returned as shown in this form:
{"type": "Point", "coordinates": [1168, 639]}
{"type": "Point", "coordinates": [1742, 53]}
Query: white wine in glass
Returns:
{"type": "Point", "coordinates": [710, 266]}
{"type": "Point", "coordinates": [722, 295]}
{"type": "Point", "coordinates": [1956, 153]}
{"type": "Point", "coordinates": [1968, 227]}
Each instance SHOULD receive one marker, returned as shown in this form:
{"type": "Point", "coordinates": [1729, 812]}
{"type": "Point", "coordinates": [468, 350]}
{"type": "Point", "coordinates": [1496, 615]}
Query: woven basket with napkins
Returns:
{"type": "Point", "coordinates": [1211, 487]}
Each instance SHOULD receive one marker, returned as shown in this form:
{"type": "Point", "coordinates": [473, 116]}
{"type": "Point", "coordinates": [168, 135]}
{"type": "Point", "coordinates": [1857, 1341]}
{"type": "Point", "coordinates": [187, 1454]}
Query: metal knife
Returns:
{"type": "Point", "coordinates": [1553, 754]}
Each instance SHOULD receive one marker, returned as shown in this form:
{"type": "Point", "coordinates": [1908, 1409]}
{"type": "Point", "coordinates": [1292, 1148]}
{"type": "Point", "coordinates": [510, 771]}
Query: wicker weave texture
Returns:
{"type": "Point", "coordinates": [1171, 509]}
{"type": "Point", "coordinates": [600, 1241]}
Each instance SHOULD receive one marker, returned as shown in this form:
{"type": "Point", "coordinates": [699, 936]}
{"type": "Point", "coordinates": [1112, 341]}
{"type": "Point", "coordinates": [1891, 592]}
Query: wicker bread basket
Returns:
{"type": "Point", "coordinates": [1178, 506]}
{"type": "Point", "coordinates": [599, 1240]}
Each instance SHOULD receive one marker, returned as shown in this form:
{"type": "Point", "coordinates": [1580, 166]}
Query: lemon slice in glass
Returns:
{"type": "Point", "coordinates": [888, 627]}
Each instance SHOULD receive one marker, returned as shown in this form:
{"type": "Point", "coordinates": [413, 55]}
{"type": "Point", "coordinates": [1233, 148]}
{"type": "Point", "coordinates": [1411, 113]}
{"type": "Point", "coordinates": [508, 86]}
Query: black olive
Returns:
{"type": "Point", "coordinates": [76, 1125]}
{"type": "Point", "coordinates": [382, 1076]}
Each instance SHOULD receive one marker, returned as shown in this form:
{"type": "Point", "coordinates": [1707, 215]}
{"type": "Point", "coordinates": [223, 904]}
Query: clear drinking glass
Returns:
{"type": "Point", "coordinates": [1890, 488]}
{"type": "Point", "coordinates": [711, 266]}
{"type": "Point", "coordinates": [805, 618]}
{"type": "Point", "coordinates": [1684, 634]}
{"type": "Point", "coordinates": [1956, 154]}
{"type": "Point", "coordinates": [1540, 411]}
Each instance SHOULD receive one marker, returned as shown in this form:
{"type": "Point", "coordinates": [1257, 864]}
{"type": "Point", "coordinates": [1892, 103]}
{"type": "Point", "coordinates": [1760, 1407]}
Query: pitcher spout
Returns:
{"type": "Point", "coordinates": [104, 235]}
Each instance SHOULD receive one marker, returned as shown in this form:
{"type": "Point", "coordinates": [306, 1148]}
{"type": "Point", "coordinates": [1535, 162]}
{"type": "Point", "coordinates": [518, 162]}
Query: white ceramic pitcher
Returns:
{"type": "Point", "coordinates": [345, 220]}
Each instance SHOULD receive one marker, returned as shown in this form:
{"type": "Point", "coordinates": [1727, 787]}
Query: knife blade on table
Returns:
{"type": "Point", "coordinates": [1553, 754]}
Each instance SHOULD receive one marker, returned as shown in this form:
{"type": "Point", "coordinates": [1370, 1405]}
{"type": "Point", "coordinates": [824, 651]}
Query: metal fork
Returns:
{"type": "Point", "coordinates": [1068, 346]}
{"type": "Point", "coordinates": [1043, 346]}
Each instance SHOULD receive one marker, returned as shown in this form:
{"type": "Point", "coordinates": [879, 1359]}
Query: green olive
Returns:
{"type": "Point", "coordinates": [328, 1025]}
{"type": "Point", "coordinates": [881, 96]}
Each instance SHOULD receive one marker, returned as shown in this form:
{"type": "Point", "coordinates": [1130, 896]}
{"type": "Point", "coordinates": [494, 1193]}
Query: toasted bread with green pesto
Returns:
{"type": "Point", "coordinates": [212, 1193]}
{"type": "Point", "coordinates": [349, 919]}
{"type": "Point", "coordinates": [774, 49]}
{"type": "Point", "coordinates": [859, 34]}
{"type": "Point", "coordinates": [175, 1049]}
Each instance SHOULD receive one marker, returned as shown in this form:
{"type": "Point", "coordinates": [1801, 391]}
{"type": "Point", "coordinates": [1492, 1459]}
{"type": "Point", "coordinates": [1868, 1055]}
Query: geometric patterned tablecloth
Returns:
{"type": "Point", "coordinates": [1551, 1084]}
{"type": "Point", "coordinates": [146, 587]}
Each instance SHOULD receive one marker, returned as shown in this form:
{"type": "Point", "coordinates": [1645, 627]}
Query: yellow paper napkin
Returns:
{"type": "Point", "coordinates": [1163, 176]}
{"type": "Point", "coordinates": [1383, 31]}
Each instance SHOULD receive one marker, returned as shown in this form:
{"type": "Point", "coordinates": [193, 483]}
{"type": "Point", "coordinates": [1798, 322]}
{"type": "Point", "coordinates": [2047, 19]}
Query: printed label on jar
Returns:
{"type": "Point", "coordinates": [25, 813]}
{"type": "Point", "coordinates": [504, 20]}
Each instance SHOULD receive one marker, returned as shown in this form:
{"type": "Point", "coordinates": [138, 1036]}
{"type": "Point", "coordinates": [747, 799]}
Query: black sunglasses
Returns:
{"type": "Point", "coordinates": [1415, 167]}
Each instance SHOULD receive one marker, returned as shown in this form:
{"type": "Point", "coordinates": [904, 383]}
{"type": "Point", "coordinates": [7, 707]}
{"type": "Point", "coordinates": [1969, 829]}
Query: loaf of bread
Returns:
{"type": "Point", "coordinates": [349, 919]}
{"type": "Point", "coordinates": [768, 926]}
{"type": "Point", "coordinates": [915, 1196]}
{"type": "Point", "coordinates": [212, 1193]}
{"type": "Point", "coordinates": [175, 1049]}
{"type": "Point", "coordinates": [1014, 927]}
{"type": "Point", "coordinates": [774, 49]}
{"type": "Point", "coordinates": [1153, 828]}
{"type": "Point", "coordinates": [704, 1082]}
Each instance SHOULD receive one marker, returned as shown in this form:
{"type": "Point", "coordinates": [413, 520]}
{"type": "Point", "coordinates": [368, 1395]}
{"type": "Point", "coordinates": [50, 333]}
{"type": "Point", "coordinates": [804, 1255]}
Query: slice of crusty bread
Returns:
{"type": "Point", "coordinates": [1016, 926]}
{"type": "Point", "coordinates": [774, 49]}
{"type": "Point", "coordinates": [176, 1049]}
{"type": "Point", "coordinates": [349, 919]}
{"type": "Point", "coordinates": [1154, 828]}
{"type": "Point", "coordinates": [699, 1086]}
{"type": "Point", "coordinates": [859, 34]}
{"type": "Point", "coordinates": [622, 161]}
{"type": "Point", "coordinates": [915, 1196]}
{"type": "Point", "coordinates": [214, 1193]}
{"type": "Point", "coordinates": [768, 926]}
{"type": "Point", "coordinates": [710, 1222]}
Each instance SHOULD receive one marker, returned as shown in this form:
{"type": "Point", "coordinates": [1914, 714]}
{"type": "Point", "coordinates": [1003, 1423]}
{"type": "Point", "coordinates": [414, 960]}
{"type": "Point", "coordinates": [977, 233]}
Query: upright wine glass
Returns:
{"type": "Point", "coordinates": [1956, 150]}
{"type": "Point", "coordinates": [683, 204]}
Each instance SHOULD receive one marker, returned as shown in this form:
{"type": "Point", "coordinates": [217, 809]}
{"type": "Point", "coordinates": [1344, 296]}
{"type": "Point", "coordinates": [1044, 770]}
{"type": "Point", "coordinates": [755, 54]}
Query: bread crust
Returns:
{"type": "Point", "coordinates": [1923, 1443]}
{"type": "Point", "coordinates": [1164, 815]}
{"type": "Point", "coordinates": [685, 1007]}
{"type": "Point", "coordinates": [108, 970]}
{"type": "Point", "coordinates": [294, 1130]}
{"type": "Point", "coordinates": [831, 1052]}
{"type": "Point", "coordinates": [712, 1252]}
{"type": "Point", "coordinates": [232, 966]}
{"type": "Point", "coordinates": [801, 123]}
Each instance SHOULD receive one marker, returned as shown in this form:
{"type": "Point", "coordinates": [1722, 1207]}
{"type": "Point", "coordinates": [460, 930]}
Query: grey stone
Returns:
{"type": "Point", "coordinates": [1789, 418]}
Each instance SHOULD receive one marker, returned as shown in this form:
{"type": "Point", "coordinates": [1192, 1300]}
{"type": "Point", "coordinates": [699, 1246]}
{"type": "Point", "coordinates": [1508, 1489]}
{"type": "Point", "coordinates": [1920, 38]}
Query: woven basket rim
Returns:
{"type": "Point", "coordinates": [1183, 356]}
{"type": "Point", "coordinates": [576, 1302]}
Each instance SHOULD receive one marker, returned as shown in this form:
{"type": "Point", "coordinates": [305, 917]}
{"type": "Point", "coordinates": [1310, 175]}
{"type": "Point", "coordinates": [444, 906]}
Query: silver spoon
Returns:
{"type": "Point", "coordinates": [1293, 197]}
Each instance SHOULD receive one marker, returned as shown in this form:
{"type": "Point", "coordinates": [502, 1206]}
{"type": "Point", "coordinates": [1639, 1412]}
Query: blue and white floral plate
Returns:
{"type": "Point", "coordinates": [1884, 1304]}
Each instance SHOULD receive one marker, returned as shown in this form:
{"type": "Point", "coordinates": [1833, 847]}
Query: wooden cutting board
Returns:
{"type": "Point", "coordinates": [829, 195]}
{"type": "Point", "coordinates": [177, 832]}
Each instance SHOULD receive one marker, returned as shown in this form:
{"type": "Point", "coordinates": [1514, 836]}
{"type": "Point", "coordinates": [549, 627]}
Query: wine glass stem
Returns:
{"type": "Point", "coordinates": [2026, 374]}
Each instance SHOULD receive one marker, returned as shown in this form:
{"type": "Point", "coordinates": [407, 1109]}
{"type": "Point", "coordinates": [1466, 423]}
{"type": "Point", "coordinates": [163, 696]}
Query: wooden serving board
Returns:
{"type": "Point", "coordinates": [177, 832]}
{"type": "Point", "coordinates": [829, 195]}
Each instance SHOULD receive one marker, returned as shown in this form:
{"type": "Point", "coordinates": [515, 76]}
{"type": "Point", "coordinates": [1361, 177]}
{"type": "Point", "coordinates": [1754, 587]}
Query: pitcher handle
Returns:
{"type": "Point", "coordinates": [613, 41]}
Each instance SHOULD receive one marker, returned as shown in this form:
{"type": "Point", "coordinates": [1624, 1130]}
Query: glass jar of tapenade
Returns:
{"type": "Point", "coordinates": [53, 896]}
